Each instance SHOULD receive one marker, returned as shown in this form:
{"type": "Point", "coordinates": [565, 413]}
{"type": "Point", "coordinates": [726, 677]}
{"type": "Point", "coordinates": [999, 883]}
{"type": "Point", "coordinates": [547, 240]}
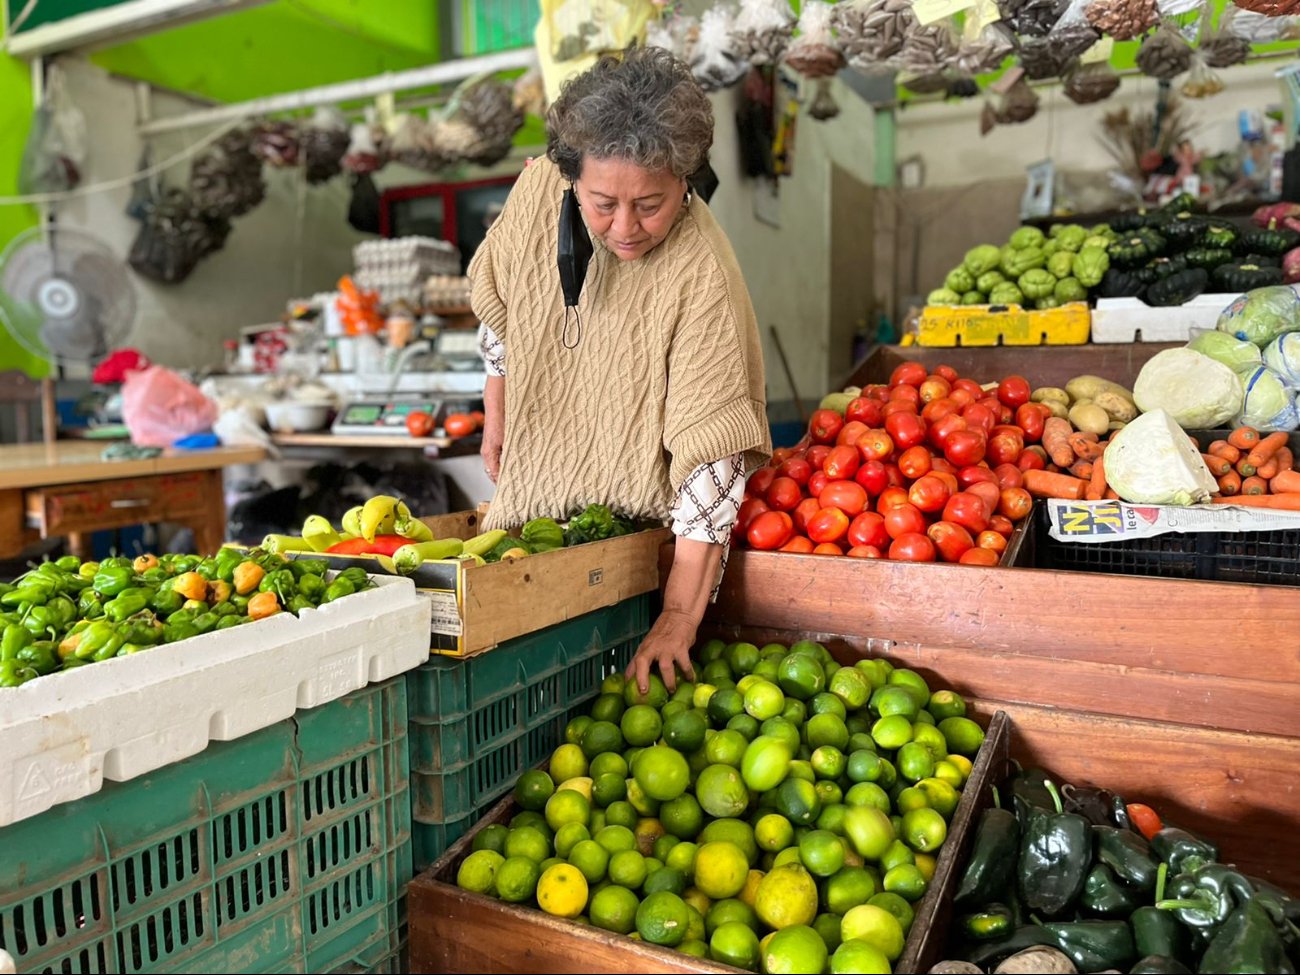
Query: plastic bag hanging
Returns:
{"type": "Point", "coordinates": [824, 106]}
{"type": "Point", "coordinates": [714, 62]}
{"type": "Point", "coordinates": [226, 180]}
{"type": "Point", "coordinates": [1259, 28]}
{"type": "Point", "coordinates": [363, 152]}
{"type": "Point", "coordinates": [1032, 18]}
{"type": "Point", "coordinates": [143, 189]}
{"type": "Point", "coordinates": [872, 32]}
{"type": "Point", "coordinates": [677, 33]}
{"type": "Point", "coordinates": [324, 141]}
{"type": "Point", "coordinates": [1123, 19]}
{"type": "Point", "coordinates": [1201, 82]}
{"type": "Point", "coordinates": [1165, 54]}
{"type": "Point", "coordinates": [55, 151]}
{"type": "Point", "coordinates": [1089, 83]}
{"type": "Point", "coordinates": [762, 31]}
{"type": "Point", "coordinates": [986, 52]}
{"type": "Point", "coordinates": [276, 142]}
{"type": "Point", "coordinates": [815, 53]}
{"type": "Point", "coordinates": [1271, 8]}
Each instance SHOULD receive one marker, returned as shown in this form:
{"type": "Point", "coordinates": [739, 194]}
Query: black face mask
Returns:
{"type": "Point", "coordinates": [574, 255]}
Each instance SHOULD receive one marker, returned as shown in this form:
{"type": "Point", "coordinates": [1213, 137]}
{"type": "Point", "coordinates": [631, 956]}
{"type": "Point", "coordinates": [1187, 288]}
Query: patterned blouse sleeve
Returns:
{"type": "Point", "coordinates": [707, 505]}
{"type": "Point", "coordinates": [493, 351]}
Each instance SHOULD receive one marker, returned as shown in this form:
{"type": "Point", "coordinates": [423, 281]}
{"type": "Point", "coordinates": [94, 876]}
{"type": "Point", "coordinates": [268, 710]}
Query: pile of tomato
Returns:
{"type": "Point", "coordinates": [927, 468]}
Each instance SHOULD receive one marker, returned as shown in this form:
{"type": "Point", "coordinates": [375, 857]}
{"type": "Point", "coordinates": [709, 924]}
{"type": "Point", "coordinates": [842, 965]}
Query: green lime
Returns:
{"type": "Point", "coordinates": [608, 707]}
{"type": "Point", "coordinates": [875, 670]}
{"type": "Point", "coordinates": [924, 717]}
{"type": "Point", "coordinates": [797, 800]}
{"type": "Point", "coordinates": [550, 862]}
{"type": "Point", "coordinates": [567, 806]}
{"type": "Point", "coordinates": [569, 836]}
{"type": "Point", "coordinates": [789, 855]}
{"type": "Point", "coordinates": [746, 682]}
{"type": "Point", "coordinates": [907, 881]}
{"type": "Point", "coordinates": [893, 731]}
{"type": "Point", "coordinates": [914, 682]}
{"type": "Point", "coordinates": [682, 817]}
{"type": "Point", "coordinates": [516, 880]}
{"type": "Point", "coordinates": [795, 711]}
{"type": "Point", "coordinates": [763, 700]}
{"type": "Point", "coordinates": [876, 926]}
{"type": "Point", "coordinates": [735, 943]}
{"type": "Point", "coordinates": [832, 818]}
{"type": "Point", "coordinates": [694, 947]}
{"type": "Point", "coordinates": [530, 818]}
{"type": "Point", "coordinates": [681, 857]}
{"type": "Point", "coordinates": [661, 772]}
{"type": "Point", "coordinates": [627, 868]}
{"type": "Point", "coordinates": [672, 708]}
{"type": "Point", "coordinates": [685, 693]}
{"type": "Point", "coordinates": [772, 651]}
{"type": "Point", "coordinates": [822, 852]}
{"type": "Point", "coordinates": [798, 948]}
{"type": "Point", "coordinates": [685, 731]}
{"type": "Point", "coordinates": [663, 845]}
{"type": "Point", "coordinates": [722, 792]}
{"type": "Point", "coordinates": [735, 831]}
{"type": "Point", "coordinates": [914, 762]}
{"type": "Point", "coordinates": [773, 832]}
{"type": "Point", "coordinates": [478, 871]}
{"type": "Point", "coordinates": [888, 774]}
{"type": "Point", "coordinates": [710, 651]}
{"type": "Point", "coordinates": [828, 793]}
{"type": "Point", "coordinates": [610, 787]}
{"type": "Point", "coordinates": [621, 814]}
{"type": "Point", "coordinates": [695, 928]}
{"type": "Point", "coordinates": [768, 668]}
{"type": "Point", "coordinates": [827, 927]}
{"type": "Point", "coordinates": [827, 729]}
{"type": "Point", "coordinates": [533, 789]}
{"type": "Point", "coordinates": [869, 830]}
{"type": "Point", "coordinates": [766, 763]}
{"type": "Point", "coordinates": [614, 683]}
{"type": "Point", "coordinates": [899, 853]}
{"type": "Point", "coordinates": [859, 958]}
{"type": "Point", "coordinates": [656, 696]}
{"type": "Point", "coordinates": [813, 649]}
{"type": "Point", "coordinates": [637, 798]}
{"type": "Point", "coordinates": [725, 704]}
{"type": "Point", "coordinates": [947, 771]}
{"type": "Point", "coordinates": [846, 889]}
{"type": "Point", "coordinates": [591, 858]}
{"type": "Point", "coordinates": [574, 730]}
{"type": "Point", "coordinates": [802, 769]}
{"type": "Point", "coordinates": [568, 762]}
{"type": "Point", "coordinates": [946, 704]}
{"type": "Point", "coordinates": [728, 911]}
{"type": "Point", "coordinates": [868, 794]}
{"type": "Point", "coordinates": [662, 918]}
{"type": "Point", "coordinates": [721, 869]}
{"type": "Point", "coordinates": [785, 730]}
{"type": "Point", "coordinates": [614, 908]}
{"type": "Point", "coordinates": [896, 906]}
{"type": "Point", "coordinates": [665, 878]}
{"type": "Point", "coordinates": [745, 725]}
{"type": "Point", "coordinates": [941, 796]}
{"type": "Point", "coordinates": [702, 694]}
{"type": "Point", "coordinates": [527, 841]}
{"type": "Point", "coordinates": [726, 748]}
{"type": "Point", "coordinates": [894, 699]}
{"type": "Point", "coordinates": [616, 839]}
{"type": "Point", "coordinates": [641, 725]}
{"type": "Point", "coordinates": [924, 830]}
{"type": "Point", "coordinates": [932, 738]}
{"type": "Point", "coordinates": [907, 799]}
{"type": "Point", "coordinates": [963, 735]}
{"type": "Point", "coordinates": [828, 703]}
{"type": "Point", "coordinates": [859, 725]}
{"type": "Point", "coordinates": [801, 676]}
{"type": "Point", "coordinates": [741, 657]}
{"type": "Point", "coordinates": [491, 838]}
{"type": "Point", "coordinates": [863, 766]}
{"type": "Point", "coordinates": [829, 762]}
{"type": "Point", "coordinates": [598, 821]}
{"type": "Point", "coordinates": [715, 672]}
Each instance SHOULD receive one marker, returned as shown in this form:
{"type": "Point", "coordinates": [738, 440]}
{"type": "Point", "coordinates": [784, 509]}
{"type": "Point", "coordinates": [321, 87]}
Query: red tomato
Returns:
{"type": "Point", "coordinates": [970, 475]}
{"type": "Point", "coordinates": [1005, 448]}
{"type": "Point", "coordinates": [1009, 475]}
{"type": "Point", "coordinates": [948, 479]}
{"type": "Point", "coordinates": [914, 462]}
{"type": "Point", "coordinates": [816, 456]}
{"type": "Point", "coordinates": [865, 410]}
{"type": "Point", "coordinates": [979, 556]}
{"type": "Point", "coordinates": [989, 494]}
{"type": "Point", "coordinates": [939, 432]}
{"type": "Point", "coordinates": [828, 525]}
{"type": "Point", "coordinates": [849, 496]}
{"type": "Point", "coordinates": [770, 530]}
{"type": "Point", "coordinates": [1029, 418]}
{"type": "Point", "coordinates": [1015, 503]}
{"type": "Point", "coordinates": [784, 494]}
{"type": "Point", "coordinates": [825, 425]}
{"type": "Point", "coordinates": [929, 494]}
{"type": "Point", "coordinates": [912, 547]}
{"type": "Point", "coordinates": [828, 548]}
{"type": "Point", "coordinates": [804, 510]}
{"type": "Point", "coordinates": [906, 394]}
{"type": "Point", "coordinates": [934, 387]}
{"type": "Point", "coordinates": [937, 409]}
{"type": "Point", "coordinates": [1002, 525]}
{"type": "Point", "coordinates": [865, 552]}
{"type": "Point", "coordinates": [750, 509]}
{"type": "Point", "coordinates": [797, 469]}
{"type": "Point", "coordinates": [965, 448]}
{"type": "Point", "coordinates": [904, 518]}
{"type": "Point", "coordinates": [906, 429]}
{"type": "Point", "coordinates": [895, 476]}
{"type": "Point", "coordinates": [947, 372]}
{"type": "Point", "coordinates": [798, 544]}
{"type": "Point", "coordinates": [815, 483]}
{"type": "Point", "coordinates": [962, 397]}
{"type": "Point", "coordinates": [971, 386]}
{"type": "Point", "coordinates": [875, 445]}
{"type": "Point", "coordinates": [1031, 460]}
{"type": "Point", "coordinates": [868, 528]}
{"type": "Point", "coordinates": [912, 373]}
{"type": "Point", "coordinates": [780, 455]}
{"type": "Point", "coordinates": [872, 476]}
{"type": "Point", "coordinates": [459, 425]}
{"type": "Point", "coordinates": [952, 540]}
{"type": "Point", "coordinates": [992, 541]}
{"type": "Point", "coordinates": [878, 391]}
{"type": "Point", "coordinates": [898, 406]}
{"type": "Point", "coordinates": [978, 416]}
{"type": "Point", "coordinates": [420, 424]}
{"type": "Point", "coordinates": [942, 465]}
{"type": "Point", "coordinates": [841, 462]}
{"type": "Point", "coordinates": [759, 482]}
{"type": "Point", "coordinates": [1004, 413]}
{"type": "Point", "coordinates": [851, 433]}
{"type": "Point", "coordinates": [891, 497]}
{"type": "Point", "coordinates": [1013, 391]}
{"type": "Point", "coordinates": [968, 510]}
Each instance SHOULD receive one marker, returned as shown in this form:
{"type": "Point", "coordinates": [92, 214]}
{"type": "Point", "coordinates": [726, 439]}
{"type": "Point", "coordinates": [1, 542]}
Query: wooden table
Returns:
{"type": "Point", "coordinates": [65, 489]}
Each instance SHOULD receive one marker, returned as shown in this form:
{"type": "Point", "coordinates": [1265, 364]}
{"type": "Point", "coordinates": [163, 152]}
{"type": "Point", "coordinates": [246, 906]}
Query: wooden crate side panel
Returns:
{"type": "Point", "coordinates": [457, 524]}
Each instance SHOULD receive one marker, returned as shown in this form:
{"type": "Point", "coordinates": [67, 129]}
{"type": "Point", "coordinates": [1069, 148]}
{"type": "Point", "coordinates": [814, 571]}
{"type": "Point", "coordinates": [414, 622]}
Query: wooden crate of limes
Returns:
{"type": "Point", "coordinates": [749, 820]}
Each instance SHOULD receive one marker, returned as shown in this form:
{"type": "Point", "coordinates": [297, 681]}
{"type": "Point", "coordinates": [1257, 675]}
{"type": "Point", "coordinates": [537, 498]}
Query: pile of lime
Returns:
{"type": "Point", "coordinates": [783, 814]}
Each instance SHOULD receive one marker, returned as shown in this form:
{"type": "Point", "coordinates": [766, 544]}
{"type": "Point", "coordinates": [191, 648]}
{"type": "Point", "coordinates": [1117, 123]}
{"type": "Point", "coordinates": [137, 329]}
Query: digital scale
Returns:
{"type": "Point", "coordinates": [370, 417]}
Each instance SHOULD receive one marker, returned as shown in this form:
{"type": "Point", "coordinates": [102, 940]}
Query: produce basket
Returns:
{"type": "Point", "coordinates": [477, 723]}
{"type": "Point", "coordinates": [67, 732]}
{"type": "Point", "coordinates": [981, 325]}
{"type": "Point", "coordinates": [285, 851]}
{"type": "Point", "coordinates": [453, 930]}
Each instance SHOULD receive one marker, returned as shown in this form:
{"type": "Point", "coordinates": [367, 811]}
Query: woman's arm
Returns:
{"type": "Point", "coordinates": [669, 642]}
{"type": "Point", "coordinates": [494, 425]}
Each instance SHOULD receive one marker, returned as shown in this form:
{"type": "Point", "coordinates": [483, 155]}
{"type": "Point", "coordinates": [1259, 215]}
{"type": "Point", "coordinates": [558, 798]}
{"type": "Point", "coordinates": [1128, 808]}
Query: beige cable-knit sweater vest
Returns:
{"type": "Point", "coordinates": [667, 374]}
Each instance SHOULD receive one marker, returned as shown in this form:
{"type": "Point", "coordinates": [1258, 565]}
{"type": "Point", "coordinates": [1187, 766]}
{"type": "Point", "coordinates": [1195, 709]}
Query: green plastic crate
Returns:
{"type": "Point", "coordinates": [476, 723]}
{"type": "Point", "coordinates": [287, 850]}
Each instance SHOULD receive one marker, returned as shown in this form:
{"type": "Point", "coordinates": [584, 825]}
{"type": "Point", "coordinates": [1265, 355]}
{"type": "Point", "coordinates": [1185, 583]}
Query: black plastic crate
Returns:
{"type": "Point", "coordinates": [1267, 558]}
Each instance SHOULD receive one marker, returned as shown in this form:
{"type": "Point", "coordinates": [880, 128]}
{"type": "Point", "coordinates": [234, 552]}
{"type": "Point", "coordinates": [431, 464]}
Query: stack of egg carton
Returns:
{"type": "Point", "coordinates": [398, 268]}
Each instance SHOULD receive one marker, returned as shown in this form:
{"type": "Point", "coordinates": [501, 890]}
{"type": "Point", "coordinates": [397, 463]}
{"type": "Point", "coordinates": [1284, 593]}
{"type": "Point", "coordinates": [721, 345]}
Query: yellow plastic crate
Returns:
{"type": "Point", "coordinates": [946, 326]}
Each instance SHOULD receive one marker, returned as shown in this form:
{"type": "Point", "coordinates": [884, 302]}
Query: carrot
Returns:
{"type": "Point", "coordinates": [1286, 482]}
{"type": "Point", "coordinates": [1244, 467]}
{"type": "Point", "coordinates": [1081, 469]}
{"type": "Point", "coordinates": [1269, 469]}
{"type": "Point", "coordinates": [1110, 494]}
{"type": "Point", "coordinates": [1254, 485]}
{"type": "Point", "coordinates": [1285, 459]}
{"type": "Point", "coordinates": [1230, 483]}
{"type": "Point", "coordinates": [1244, 438]}
{"type": "Point", "coordinates": [1266, 448]}
{"type": "Point", "coordinates": [1097, 484]}
{"type": "Point", "coordinates": [1144, 819]}
{"type": "Point", "coordinates": [1087, 449]}
{"type": "Point", "coordinates": [1218, 465]}
{"type": "Point", "coordinates": [1042, 484]}
{"type": "Point", "coordinates": [1056, 441]}
{"type": "Point", "coordinates": [1281, 502]}
{"type": "Point", "coordinates": [1221, 448]}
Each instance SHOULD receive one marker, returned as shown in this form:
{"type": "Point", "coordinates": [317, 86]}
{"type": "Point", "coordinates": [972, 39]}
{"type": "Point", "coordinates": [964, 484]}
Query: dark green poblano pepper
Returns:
{"type": "Point", "coordinates": [1128, 854]}
{"type": "Point", "coordinates": [1247, 942]}
{"type": "Point", "coordinates": [1055, 856]}
{"type": "Point", "coordinates": [992, 860]}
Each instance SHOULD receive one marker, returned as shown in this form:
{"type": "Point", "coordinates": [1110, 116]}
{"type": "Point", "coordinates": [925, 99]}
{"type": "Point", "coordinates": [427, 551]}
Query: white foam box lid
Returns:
{"type": "Point", "coordinates": [64, 733]}
{"type": "Point", "coordinates": [1129, 320]}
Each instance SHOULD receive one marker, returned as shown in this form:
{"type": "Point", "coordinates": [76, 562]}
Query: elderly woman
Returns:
{"type": "Point", "coordinates": [647, 394]}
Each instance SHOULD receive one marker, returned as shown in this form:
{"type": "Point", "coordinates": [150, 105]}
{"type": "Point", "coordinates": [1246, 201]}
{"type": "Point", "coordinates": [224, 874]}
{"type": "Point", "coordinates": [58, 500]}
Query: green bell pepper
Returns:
{"type": "Point", "coordinates": [1129, 855]}
{"type": "Point", "coordinates": [226, 622]}
{"type": "Point", "coordinates": [340, 587]}
{"type": "Point", "coordinates": [240, 603]}
{"type": "Point", "coordinates": [166, 601]}
{"type": "Point", "coordinates": [207, 568]}
{"type": "Point", "coordinates": [155, 577]}
{"type": "Point", "coordinates": [206, 622]}
{"type": "Point", "coordinates": [1181, 850]}
{"type": "Point", "coordinates": [357, 576]}
{"type": "Point", "coordinates": [226, 609]}
{"type": "Point", "coordinates": [302, 568]}
{"type": "Point", "coordinates": [546, 535]}
{"type": "Point", "coordinates": [90, 605]}
{"type": "Point", "coordinates": [312, 586]}
{"type": "Point", "coordinates": [1055, 856]}
{"type": "Point", "coordinates": [1205, 897]}
{"type": "Point", "coordinates": [38, 621]}
{"type": "Point", "coordinates": [992, 922]}
{"type": "Point", "coordinates": [111, 581]}
{"type": "Point", "coordinates": [14, 674]}
{"type": "Point", "coordinates": [1090, 265]}
{"type": "Point", "coordinates": [68, 563]}
{"type": "Point", "coordinates": [143, 630]}
{"type": "Point", "coordinates": [1159, 965]}
{"type": "Point", "coordinates": [116, 562]}
{"type": "Point", "coordinates": [1037, 283]}
{"type": "Point", "coordinates": [36, 590]}
{"type": "Point", "coordinates": [1095, 946]}
{"type": "Point", "coordinates": [42, 656]}
{"type": "Point", "coordinates": [174, 632]}
{"type": "Point", "coordinates": [1248, 941]}
{"type": "Point", "coordinates": [1158, 933]}
{"type": "Point", "coordinates": [992, 860]}
{"type": "Point", "coordinates": [281, 582]}
{"type": "Point", "coordinates": [87, 571]}
{"type": "Point", "coordinates": [14, 639]}
{"type": "Point", "coordinates": [1105, 895]}
{"type": "Point", "coordinates": [298, 603]}
{"type": "Point", "coordinates": [111, 646]}
{"type": "Point", "coordinates": [127, 605]}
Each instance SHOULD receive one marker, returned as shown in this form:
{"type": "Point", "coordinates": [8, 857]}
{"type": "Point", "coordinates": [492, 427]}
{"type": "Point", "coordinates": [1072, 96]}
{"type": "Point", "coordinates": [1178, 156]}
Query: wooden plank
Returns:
{"type": "Point", "coordinates": [15, 536]}
{"type": "Point", "coordinates": [1239, 790]}
{"type": "Point", "coordinates": [1160, 624]}
{"type": "Point", "coordinates": [401, 440]}
{"type": "Point", "coordinates": [72, 462]}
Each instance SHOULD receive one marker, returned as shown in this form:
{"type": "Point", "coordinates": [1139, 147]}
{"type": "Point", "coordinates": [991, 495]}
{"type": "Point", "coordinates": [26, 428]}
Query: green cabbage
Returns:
{"type": "Point", "coordinates": [1151, 461]}
{"type": "Point", "coordinates": [1283, 357]}
{"type": "Point", "coordinates": [1269, 403]}
{"type": "Point", "coordinates": [1198, 392]}
{"type": "Point", "coordinates": [1235, 353]}
{"type": "Point", "coordinates": [1262, 315]}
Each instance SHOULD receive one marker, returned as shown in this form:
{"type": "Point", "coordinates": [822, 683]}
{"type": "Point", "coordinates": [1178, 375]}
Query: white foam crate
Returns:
{"type": "Point", "coordinates": [65, 733]}
{"type": "Point", "coordinates": [1129, 320]}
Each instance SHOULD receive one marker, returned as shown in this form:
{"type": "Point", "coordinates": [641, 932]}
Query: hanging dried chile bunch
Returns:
{"type": "Point", "coordinates": [488, 108]}
{"type": "Point", "coordinates": [276, 142]}
{"type": "Point", "coordinates": [174, 237]}
{"type": "Point", "coordinates": [1089, 83]}
{"type": "Point", "coordinates": [763, 30]}
{"type": "Point", "coordinates": [226, 179]}
{"type": "Point", "coordinates": [324, 142]}
{"type": "Point", "coordinates": [1164, 55]}
{"type": "Point", "coordinates": [1040, 59]}
{"type": "Point", "coordinates": [1123, 19]}
{"type": "Point", "coordinates": [1032, 18]}
{"type": "Point", "coordinates": [871, 32]}
{"type": "Point", "coordinates": [815, 53]}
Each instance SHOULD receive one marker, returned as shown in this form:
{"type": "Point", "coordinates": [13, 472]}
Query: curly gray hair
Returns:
{"type": "Point", "coordinates": [644, 107]}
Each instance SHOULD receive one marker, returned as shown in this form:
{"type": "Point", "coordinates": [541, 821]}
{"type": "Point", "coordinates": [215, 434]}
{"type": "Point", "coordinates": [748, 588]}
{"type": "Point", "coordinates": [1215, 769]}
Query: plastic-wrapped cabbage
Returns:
{"type": "Point", "coordinates": [1198, 392]}
{"type": "Point", "coordinates": [1269, 403]}
{"type": "Point", "coordinates": [1237, 354]}
{"type": "Point", "coordinates": [1283, 357]}
{"type": "Point", "coordinates": [1151, 461]}
{"type": "Point", "coordinates": [1262, 315]}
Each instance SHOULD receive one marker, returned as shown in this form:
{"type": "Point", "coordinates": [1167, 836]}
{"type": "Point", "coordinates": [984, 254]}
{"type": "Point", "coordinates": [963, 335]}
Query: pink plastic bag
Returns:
{"type": "Point", "coordinates": [159, 407]}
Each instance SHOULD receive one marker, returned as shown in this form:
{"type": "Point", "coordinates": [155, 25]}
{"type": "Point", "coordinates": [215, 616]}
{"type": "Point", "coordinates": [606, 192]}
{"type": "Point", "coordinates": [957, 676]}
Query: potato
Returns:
{"type": "Point", "coordinates": [1087, 387]}
{"type": "Point", "coordinates": [1116, 425]}
{"type": "Point", "coordinates": [1045, 394]}
{"type": "Point", "coordinates": [1116, 406]}
{"type": "Point", "coordinates": [1046, 961]}
{"type": "Point", "coordinates": [1057, 407]}
{"type": "Point", "coordinates": [956, 968]}
{"type": "Point", "coordinates": [1090, 418]}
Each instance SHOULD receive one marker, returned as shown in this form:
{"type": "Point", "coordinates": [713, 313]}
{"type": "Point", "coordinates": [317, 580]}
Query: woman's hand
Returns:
{"type": "Point", "coordinates": [668, 644]}
{"type": "Point", "coordinates": [494, 425]}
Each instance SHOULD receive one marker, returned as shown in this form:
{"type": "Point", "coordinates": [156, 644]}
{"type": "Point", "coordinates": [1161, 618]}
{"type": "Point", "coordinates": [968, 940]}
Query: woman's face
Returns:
{"type": "Point", "coordinates": [629, 208]}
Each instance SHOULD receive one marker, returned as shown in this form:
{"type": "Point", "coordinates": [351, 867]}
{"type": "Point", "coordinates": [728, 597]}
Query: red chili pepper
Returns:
{"type": "Point", "coordinates": [353, 546]}
{"type": "Point", "coordinates": [1144, 819]}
